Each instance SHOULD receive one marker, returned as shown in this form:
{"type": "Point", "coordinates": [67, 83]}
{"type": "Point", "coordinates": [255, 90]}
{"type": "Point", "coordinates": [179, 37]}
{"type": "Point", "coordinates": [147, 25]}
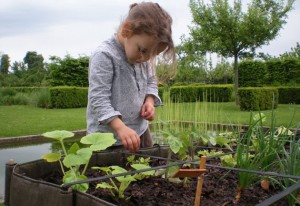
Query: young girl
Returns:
{"type": "Point", "coordinates": [123, 90]}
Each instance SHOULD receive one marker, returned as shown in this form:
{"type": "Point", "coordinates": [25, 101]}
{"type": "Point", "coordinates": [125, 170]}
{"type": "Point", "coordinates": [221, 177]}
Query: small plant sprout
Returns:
{"type": "Point", "coordinates": [124, 181]}
{"type": "Point", "coordinates": [141, 160]}
{"type": "Point", "coordinates": [76, 157]}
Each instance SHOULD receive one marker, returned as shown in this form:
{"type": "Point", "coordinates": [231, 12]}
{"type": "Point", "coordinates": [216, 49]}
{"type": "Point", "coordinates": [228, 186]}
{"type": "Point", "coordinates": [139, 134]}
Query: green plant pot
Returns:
{"type": "Point", "coordinates": [27, 188]}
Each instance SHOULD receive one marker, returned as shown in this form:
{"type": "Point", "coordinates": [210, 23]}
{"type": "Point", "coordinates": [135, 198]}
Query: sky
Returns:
{"type": "Point", "coordinates": [77, 27]}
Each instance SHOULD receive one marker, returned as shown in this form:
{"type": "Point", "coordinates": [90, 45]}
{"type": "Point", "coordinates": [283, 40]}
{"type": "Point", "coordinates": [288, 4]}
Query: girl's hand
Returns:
{"type": "Point", "coordinates": [129, 138]}
{"type": "Point", "coordinates": [148, 109]}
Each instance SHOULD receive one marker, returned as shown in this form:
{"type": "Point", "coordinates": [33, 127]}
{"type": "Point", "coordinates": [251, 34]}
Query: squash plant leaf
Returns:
{"type": "Point", "coordinates": [59, 134]}
{"type": "Point", "coordinates": [73, 149]}
{"type": "Point", "coordinates": [99, 141]}
{"type": "Point", "coordinates": [71, 176]}
{"type": "Point", "coordinates": [81, 157]}
{"type": "Point", "coordinates": [51, 157]}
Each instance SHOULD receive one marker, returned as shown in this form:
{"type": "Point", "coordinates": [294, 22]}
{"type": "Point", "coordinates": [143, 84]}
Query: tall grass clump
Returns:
{"type": "Point", "coordinates": [259, 149]}
{"type": "Point", "coordinates": [289, 164]}
{"type": "Point", "coordinates": [40, 98]}
{"type": "Point", "coordinates": [11, 97]}
{"type": "Point", "coordinates": [36, 98]}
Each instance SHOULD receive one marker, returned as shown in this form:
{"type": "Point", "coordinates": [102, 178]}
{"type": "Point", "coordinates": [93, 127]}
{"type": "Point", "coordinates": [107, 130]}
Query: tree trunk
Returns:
{"type": "Point", "coordinates": [236, 79]}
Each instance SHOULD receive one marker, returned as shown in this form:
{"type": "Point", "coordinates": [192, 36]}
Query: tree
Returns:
{"type": "Point", "coordinates": [4, 64]}
{"type": "Point", "coordinates": [36, 71]}
{"type": "Point", "coordinates": [34, 61]}
{"type": "Point", "coordinates": [294, 53]}
{"type": "Point", "coordinates": [230, 32]}
{"type": "Point", "coordinates": [69, 71]}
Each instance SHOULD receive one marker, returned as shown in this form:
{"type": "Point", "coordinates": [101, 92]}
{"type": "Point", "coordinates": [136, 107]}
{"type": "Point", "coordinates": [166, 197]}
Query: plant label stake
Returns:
{"type": "Point", "coordinates": [195, 173]}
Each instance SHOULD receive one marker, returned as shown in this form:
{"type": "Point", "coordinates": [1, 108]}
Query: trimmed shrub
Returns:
{"type": "Point", "coordinates": [289, 95]}
{"type": "Point", "coordinates": [68, 97]}
{"type": "Point", "coordinates": [252, 73]}
{"type": "Point", "coordinates": [210, 93]}
{"type": "Point", "coordinates": [256, 99]}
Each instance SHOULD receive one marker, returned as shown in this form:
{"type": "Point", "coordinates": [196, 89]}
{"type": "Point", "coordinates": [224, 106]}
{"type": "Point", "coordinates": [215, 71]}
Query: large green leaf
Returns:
{"type": "Point", "coordinates": [81, 157]}
{"type": "Point", "coordinates": [99, 141]}
{"type": "Point", "coordinates": [58, 134]}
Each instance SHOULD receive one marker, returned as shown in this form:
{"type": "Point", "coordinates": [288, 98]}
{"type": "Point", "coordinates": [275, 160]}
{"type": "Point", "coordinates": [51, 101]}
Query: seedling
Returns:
{"type": "Point", "coordinates": [124, 181]}
{"type": "Point", "coordinates": [71, 161]}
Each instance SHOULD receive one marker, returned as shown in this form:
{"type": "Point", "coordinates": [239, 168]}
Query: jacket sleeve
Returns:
{"type": "Point", "coordinates": [101, 71]}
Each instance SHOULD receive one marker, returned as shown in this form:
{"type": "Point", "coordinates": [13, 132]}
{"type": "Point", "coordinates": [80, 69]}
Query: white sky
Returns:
{"type": "Point", "coordinates": [77, 27]}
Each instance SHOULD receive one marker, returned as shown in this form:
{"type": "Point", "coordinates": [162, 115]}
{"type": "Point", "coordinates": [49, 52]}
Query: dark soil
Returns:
{"type": "Point", "coordinates": [219, 189]}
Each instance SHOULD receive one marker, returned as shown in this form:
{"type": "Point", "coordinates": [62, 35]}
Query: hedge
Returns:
{"type": "Point", "coordinates": [255, 99]}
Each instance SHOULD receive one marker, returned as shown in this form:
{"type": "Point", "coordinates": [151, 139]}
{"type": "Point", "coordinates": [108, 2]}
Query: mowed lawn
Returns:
{"type": "Point", "coordinates": [27, 120]}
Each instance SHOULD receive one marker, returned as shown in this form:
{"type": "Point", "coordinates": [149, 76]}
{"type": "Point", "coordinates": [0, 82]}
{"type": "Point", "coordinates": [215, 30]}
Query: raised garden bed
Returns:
{"type": "Point", "coordinates": [38, 183]}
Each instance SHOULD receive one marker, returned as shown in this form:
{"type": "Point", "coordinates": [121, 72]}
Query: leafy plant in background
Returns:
{"type": "Point", "coordinates": [71, 160]}
{"type": "Point", "coordinates": [123, 181]}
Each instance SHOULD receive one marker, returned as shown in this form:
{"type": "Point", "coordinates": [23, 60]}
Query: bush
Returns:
{"type": "Point", "coordinates": [210, 93]}
{"type": "Point", "coordinates": [255, 99]}
{"type": "Point", "coordinates": [68, 97]}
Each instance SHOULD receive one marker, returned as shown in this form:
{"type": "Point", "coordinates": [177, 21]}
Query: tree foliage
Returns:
{"type": "Point", "coordinates": [228, 31]}
{"type": "Point", "coordinates": [68, 71]}
{"type": "Point", "coordinates": [4, 64]}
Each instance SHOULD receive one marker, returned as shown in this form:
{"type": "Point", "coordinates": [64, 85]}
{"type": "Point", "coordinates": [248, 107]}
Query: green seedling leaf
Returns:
{"type": "Point", "coordinates": [81, 157]}
{"type": "Point", "coordinates": [118, 170]}
{"type": "Point", "coordinates": [175, 144]}
{"type": "Point", "coordinates": [104, 185]}
{"type": "Point", "coordinates": [52, 157]}
{"type": "Point", "coordinates": [284, 131]}
{"type": "Point", "coordinates": [71, 176]}
{"type": "Point", "coordinates": [59, 134]}
{"type": "Point", "coordinates": [141, 167]}
{"type": "Point", "coordinates": [212, 140]}
{"type": "Point", "coordinates": [259, 117]}
{"type": "Point", "coordinates": [105, 169]}
{"type": "Point", "coordinates": [99, 141]}
{"type": "Point", "coordinates": [223, 142]}
{"type": "Point", "coordinates": [73, 149]}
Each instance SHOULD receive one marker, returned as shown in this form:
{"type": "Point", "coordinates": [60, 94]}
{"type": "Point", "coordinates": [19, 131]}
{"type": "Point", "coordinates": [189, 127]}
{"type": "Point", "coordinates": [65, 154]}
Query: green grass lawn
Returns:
{"type": "Point", "coordinates": [28, 120]}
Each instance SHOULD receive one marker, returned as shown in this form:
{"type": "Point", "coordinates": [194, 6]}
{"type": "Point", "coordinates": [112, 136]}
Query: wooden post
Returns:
{"type": "Point", "coordinates": [199, 173]}
{"type": "Point", "coordinates": [8, 172]}
{"type": "Point", "coordinates": [200, 182]}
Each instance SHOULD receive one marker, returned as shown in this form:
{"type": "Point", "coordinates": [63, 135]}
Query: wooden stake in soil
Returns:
{"type": "Point", "coordinates": [199, 173]}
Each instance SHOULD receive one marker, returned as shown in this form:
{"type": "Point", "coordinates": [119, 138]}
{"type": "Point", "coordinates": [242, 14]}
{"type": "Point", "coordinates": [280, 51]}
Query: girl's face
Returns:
{"type": "Point", "coordinates": [138, 48]}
